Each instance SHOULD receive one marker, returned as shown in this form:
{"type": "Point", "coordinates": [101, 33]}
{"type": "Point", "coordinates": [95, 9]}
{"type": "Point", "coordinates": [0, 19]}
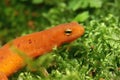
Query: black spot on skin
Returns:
{"type": "Point", "coordinates": [29, 41]}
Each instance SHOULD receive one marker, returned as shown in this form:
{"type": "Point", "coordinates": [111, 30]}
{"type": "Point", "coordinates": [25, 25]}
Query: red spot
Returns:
{"type": "Point", "coordinates": [18, 45]}
{"type": "Point", "coordinates": [1, 57]}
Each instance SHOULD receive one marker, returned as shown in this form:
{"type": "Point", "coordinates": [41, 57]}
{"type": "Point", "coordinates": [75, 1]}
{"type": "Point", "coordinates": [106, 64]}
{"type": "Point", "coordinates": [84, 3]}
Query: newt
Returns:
{"type": "Point", "coordinates": [36, 44]}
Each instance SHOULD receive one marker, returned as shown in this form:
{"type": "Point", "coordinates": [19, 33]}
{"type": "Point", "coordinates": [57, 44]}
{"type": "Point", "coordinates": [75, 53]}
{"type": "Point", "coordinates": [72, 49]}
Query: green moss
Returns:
{"type": "Point", "coordinates": [96, 55]}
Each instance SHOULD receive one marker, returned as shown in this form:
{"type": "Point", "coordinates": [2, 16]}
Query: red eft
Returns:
{"type": "Point", "coordinates": [36, 44]}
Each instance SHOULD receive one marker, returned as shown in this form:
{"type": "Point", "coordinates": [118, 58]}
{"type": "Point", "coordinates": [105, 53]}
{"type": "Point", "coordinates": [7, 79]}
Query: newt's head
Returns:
{"type": "Point", "coordinates": [68, 32]}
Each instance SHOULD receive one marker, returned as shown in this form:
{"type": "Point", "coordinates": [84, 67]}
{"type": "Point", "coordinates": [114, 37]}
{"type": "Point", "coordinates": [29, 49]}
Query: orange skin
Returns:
{"type": "Point", "coordinates": [36, 44]}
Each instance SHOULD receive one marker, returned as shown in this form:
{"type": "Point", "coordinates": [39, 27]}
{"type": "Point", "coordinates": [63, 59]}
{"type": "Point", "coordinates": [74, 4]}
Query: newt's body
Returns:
{"type": "Point", "coordinates": [36, 44]}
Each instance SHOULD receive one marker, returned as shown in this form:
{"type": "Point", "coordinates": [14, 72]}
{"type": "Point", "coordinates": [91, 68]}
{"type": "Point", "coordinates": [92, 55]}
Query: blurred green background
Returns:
{"type": "Point", "coordinates": [95, 56]}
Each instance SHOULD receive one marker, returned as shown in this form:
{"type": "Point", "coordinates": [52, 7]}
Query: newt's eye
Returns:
{"type": "Point", "coordinates": [68, 32]}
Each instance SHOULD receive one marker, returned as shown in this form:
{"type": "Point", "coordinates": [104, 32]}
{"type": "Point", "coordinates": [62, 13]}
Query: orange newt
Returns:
{"type": "Point", "coordinates": [36, 44]}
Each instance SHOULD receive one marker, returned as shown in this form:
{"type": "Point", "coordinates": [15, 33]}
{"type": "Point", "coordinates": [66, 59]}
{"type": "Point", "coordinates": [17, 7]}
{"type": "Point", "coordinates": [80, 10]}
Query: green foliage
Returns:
{"type": "Point", "coordinates": [94, 56]}
{"type": "Point", "coordinates": [82, 17]}
{"type": "Point", "coordinates": [37, 1]}
{"type": "Point", "coordinates": [77, 4]}
{"type": "Point", "coordinates": [110, 6]}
